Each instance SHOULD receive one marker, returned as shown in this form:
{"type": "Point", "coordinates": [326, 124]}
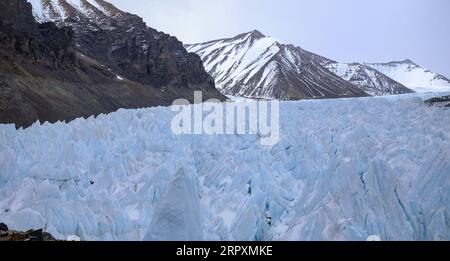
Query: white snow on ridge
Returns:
{"type": "Point", "coordinates": [75, 3]}
{"type": "Point", "coordinates": [98, 6]}
{"type": "Point", "coordinates": [253, 65]}
{"type": "Point", "coordinates": [344, 169]}
{"type": "Point", "coordinates": [244, 57]}
{"type": "Point", "coordinates": [55, 10]}
{"type": "Point", "coordinates": [413, 76]}
{"type": "Point", "coordinates": [370, 80]}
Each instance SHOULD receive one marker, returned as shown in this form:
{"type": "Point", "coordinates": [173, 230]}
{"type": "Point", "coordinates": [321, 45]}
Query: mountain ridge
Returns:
{"type": "Point", "coordinates": [296, 63]}
{"type": "Point", "coordinates": [254, 65]}
{"type": "Point", "coordinates": [123, 42]}
{"type": "Point", "coordinates": [366, 78]}
{"type": "Point", "coordinates": [413, 75]}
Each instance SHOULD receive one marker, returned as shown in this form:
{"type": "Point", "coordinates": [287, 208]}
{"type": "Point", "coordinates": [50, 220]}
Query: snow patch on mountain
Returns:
{"type": "Point", "coordinates": [344, 169]}
{"type": "Point", "coordinates": [370, 80]}
{"type": "Point", "coordinates": [245, 57]}
{"type": "Point", "coordinates": [45, 11]}
{"type": "Point", "coordinates": [100, 7]}
{"type": "Point", "coordinates": [413, 76]}
{"type": "Point", "coordinates": [99, 12]}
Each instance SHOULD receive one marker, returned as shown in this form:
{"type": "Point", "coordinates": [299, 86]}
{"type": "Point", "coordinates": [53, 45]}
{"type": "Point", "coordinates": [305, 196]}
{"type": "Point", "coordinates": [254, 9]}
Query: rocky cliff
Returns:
{"type": "Point", "coordinates": [52, 72]}
{"type": "Point", "coordinates": [22, 39]}
{"type": "Point", "coordinates": [123, 42]}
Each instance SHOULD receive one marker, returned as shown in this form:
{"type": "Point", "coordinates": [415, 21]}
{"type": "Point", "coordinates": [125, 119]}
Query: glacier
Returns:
{"type": "Point", "coordinates": [344, 169]}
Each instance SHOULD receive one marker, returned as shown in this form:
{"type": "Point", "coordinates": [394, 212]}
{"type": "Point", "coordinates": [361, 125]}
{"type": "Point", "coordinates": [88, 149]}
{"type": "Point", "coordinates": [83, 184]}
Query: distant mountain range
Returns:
{"type": "Point", "coordinates": [414, 76]}
{"type": "Point", "coordinates": [256, 66]}
{"type": "Point", "coordinates": [364, 77]}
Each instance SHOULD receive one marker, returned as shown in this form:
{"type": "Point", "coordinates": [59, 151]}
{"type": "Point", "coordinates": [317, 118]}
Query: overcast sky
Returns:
{"type": "Point", "coordinates": [343, 30]}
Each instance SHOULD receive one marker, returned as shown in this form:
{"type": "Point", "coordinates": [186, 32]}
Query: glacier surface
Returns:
{"type": "Point", "coordinates": [347, 169]}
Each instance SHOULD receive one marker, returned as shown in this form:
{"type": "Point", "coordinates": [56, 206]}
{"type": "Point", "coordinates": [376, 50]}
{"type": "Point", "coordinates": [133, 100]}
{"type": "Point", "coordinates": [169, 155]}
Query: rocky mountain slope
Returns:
{"type": "Point", "coordinates": [413, 76]}
{"type": "Point", "coordinates": [253, 65]}
{"type": "Point", "coordinates": [52, 73]}
{"type": "Point", "coordinates": [124, 43]}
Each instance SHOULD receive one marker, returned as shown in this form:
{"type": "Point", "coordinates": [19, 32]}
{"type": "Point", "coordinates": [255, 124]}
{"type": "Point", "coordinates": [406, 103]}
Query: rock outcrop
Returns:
{"type": "Point", "coordinates": [53, 72]}
{"type": "Point", "coordinates": [30, 235]}
{"type": "Point", "coordinates": [439, 101]}
{"type": "Point", "coordinates": [124, 43]}
{"type": "Point", "coordinates": [23, 40]}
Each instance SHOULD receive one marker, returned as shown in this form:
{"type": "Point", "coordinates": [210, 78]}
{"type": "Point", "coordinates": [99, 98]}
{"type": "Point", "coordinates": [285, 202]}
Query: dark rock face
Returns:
{"type": "Point", "coordinates": [17, 13]}
{"type": "Point", "coordinates": [123, 42]}
{"type": "Point", "coordinates": [146, 56]}
{"type": "Point", "coordinates": [54, 73]}
{"type": "Point", "coordinates": [443, 101]}
{"type": "Point", "coordinates": [3, 227]}
{"type": "Point", "coordinates": [21, 38]}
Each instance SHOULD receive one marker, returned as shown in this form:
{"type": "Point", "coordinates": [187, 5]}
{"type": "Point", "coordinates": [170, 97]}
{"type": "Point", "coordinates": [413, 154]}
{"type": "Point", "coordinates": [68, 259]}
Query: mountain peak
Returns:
{"type": "Point", "coordinates": [257, 34]}
{"type": "Point", "coordinates": [406, 61]}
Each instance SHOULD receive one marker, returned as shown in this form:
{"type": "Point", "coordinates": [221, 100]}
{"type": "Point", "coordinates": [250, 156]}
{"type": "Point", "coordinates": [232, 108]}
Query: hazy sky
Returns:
{"type": "Point", "coordinates": [343, 30]}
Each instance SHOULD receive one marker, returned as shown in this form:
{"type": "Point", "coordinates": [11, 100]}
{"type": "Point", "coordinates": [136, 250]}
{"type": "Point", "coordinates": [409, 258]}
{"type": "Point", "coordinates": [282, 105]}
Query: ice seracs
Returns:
{"type": "Point", "coordinates": [344, 169]}
{"type": "Point", "coordinates": [177, 217]}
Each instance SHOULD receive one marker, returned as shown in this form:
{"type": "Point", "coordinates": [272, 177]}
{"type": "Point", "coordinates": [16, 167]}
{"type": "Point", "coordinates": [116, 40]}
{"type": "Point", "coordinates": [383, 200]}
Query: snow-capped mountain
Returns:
{"type": "Point", "coordinates": [368, 79]}
{"type": "Point", "coordinates": [253, 65]}
{"type": "Point", "coordinates": [413, 76]}
{"type": "Point", "coordinates": [344, 169]}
